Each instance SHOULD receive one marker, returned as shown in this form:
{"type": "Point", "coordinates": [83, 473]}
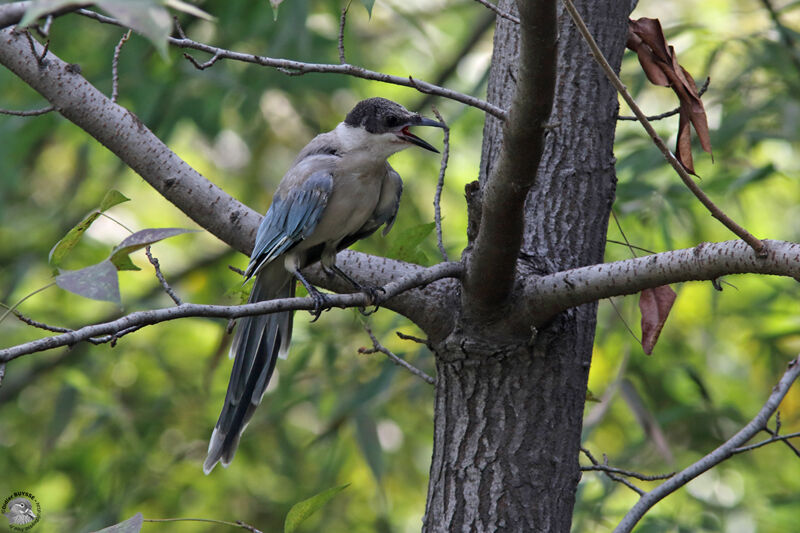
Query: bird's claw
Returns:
{"type": "Point", "coordinates": [321, 303]}
{"type": "Point", "coordinates": [374, 299]}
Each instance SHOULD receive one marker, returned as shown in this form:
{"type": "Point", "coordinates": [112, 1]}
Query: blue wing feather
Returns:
{"type": "Point", "coordinates": [289, 220]}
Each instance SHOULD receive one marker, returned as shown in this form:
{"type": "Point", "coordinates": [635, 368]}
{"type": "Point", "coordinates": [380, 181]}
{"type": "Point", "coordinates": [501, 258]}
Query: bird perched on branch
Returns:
{"type": "Point", "coordinates": [339, 189]}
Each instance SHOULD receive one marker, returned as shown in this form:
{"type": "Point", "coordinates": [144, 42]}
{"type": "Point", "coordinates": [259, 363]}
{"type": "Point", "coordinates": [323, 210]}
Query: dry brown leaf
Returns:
{"type": "Point", "coordinates": [655, 305]}
{"type": "Point", "coordinates": [661, 66]}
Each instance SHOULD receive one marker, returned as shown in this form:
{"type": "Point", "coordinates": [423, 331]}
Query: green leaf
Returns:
{"type": "Point", "coordinates": [40, 8]}
{"type": "Point", "coordinates": [131, 525]}
{"type": "Point", "coordinates": [302, 510]}
{"type": "Point", "coordinates": [124, 262]}
{"type": "Point", "coordinates": [368, 6]}
{"type": "Point", "coordinates": [68, 242]}
{"type": "Point", "coordinates": [405, 245]}
{"type": "Point", "coordinates": [140, 239]}
{"type": "Point", "coordinates": [98, 282]}
{"type": "Point", "coordinates": [112, 198]}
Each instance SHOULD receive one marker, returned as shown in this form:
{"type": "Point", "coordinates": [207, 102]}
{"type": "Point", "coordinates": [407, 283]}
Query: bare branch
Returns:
{"type": "Point", "coordinates": [115, 66]}
{"type": "Point", "coordinates": [31, 113]}
{"type": "Point", "coordinates": [499, 11]}
{"type": "Point", "coordinates": [342, 20]}
{"type": "Point", "coordinates": [611, 475]}
{"type": "Point", "coordinates": [298, 68]}
{"type": "Point", "coordinates": [128, 138]}
{"type": "Point", "coordinates": [437, 208]}
{"type": "Point", "coordinates": [491, 268]}
{"type": "Point", "coordinates": [378, 347]}
{"type": "Point", "coordinates": [201, 66]}
{"type": "Point", "coordinates": [2, 373]}
{"type": "Point", "coordinates": [139, 319]}
{"type": "Point", "coordinates": [546, 296]}
{"type": "Point", "coordinates": [13, 12]}
{"type": "Point", "coordinates": [722, 453]}
{"type": "Point", "coordinates": [39, 57]}
{"type": "Point", "coordinates": [715, 211]}
{"type": "Point", "coordinates": [153, 261]}
{"type": "Point", "coordinates": [413, 338]}
{"type": "Point", "coordinates": [774, 438]}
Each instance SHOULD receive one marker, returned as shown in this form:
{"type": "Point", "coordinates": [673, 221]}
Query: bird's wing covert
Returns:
{"type": "Point", "coordinates": [290, 219]}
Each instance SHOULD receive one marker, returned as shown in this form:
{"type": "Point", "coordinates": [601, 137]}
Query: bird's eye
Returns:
{"type": "Point", "coordinates": [392, 121]}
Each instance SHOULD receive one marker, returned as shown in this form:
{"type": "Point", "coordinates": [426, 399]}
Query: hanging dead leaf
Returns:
{"type": "Point", "coordinates": [655, 305]}
{"type": "Point", "coordinates": [661, 66]}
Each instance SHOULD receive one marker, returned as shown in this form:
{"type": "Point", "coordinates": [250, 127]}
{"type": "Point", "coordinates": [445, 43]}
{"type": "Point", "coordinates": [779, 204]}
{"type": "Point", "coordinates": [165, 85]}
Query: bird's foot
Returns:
{"type": "Point", "coordinates": [321, 303]}
{"type": "Point", "coordinates": [375, 298]}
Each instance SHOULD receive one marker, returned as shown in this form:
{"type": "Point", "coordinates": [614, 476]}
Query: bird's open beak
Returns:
{"type": "Point", "coordinates": [407, 136]}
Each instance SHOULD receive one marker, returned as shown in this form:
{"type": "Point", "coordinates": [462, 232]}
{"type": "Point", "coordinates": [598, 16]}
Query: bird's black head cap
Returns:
{"type": "Point", "coordinates": [379, 115]}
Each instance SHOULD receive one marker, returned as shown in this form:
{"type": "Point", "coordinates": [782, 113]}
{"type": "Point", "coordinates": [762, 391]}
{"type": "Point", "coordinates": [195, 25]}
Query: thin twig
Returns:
{"type": "Point", "coordinates": [115, 66]}
{"type": "Point", "coordinates": [621, 232]}
{"type": "Point", "coordinates": [624, 322]}
{"type": "Point", "coordinates": [178, 27]}
{"type": "Point", "coordinates": [413, 280]}
{"type": "Point", "coordinates": [612, 475]}
{"type": "Point", "coordinates": [629, 245]}
{"type": "Point", "coordinates": [775, 438]}
{"type": "Point", "coordinates": [299, 68]}
{"type": "Point", "coordinates": [723, 452]}
{"type": "Point", "coordinates": [31, 113]}
{"type": "Point", "coordinates": [789, 444]}
{"type": "Point", "coordinates": [500, 12]}
{"type": "Point", "coordinates": [44, 31]}
{"type": "Point", "coordinates": [675, 111]}
{"type": "Point", "coordinates": [39, 58]}
{"type": "Point", "coordinates": [201, 66]}
{"type": "Point", "coordinates": [629, 473]}
{"type": "Point", "coordinates": [342, 21]}
{"type": "Point", "coordinates": [716, 212]}
{"type": "Point", "coordinates": [235, 269]}
{"type": "Point", "coordinates": [378, 347]}
{"type": "Point", "coordinates": [412, 338]}
{"type": "Point", "coordinates": [170, 292]}
{"type": "Point", "coordinates": [437, 208]}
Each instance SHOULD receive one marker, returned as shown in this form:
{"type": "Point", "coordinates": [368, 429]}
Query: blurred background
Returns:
{"type": "Point", "coordinates": [99, 433]}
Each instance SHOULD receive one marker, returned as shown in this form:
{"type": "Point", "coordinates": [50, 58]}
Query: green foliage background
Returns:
{"type": "Point", "coordinates": [99, 433]}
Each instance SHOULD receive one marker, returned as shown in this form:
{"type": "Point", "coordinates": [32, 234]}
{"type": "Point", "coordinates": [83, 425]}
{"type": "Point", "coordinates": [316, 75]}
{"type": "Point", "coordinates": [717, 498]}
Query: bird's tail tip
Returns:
{"type": "Point", "coordinates": [217, 452]}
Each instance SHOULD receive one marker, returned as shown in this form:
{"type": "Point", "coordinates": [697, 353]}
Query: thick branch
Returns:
{"type": "Point", "coordinates": [136, 320]}
{"type": "Point", "coordinates": [544, 297]}
{"type": "Point", "coordinates": [491, 268]}
{"type": "Point", "coordinates": [231, 221]}
{"type": "Point", "coordinates": [722, 453]}
{"type": "Point", "coordinates": [125, 135]}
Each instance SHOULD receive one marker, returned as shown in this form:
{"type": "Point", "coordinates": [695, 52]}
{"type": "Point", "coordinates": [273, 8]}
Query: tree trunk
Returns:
{"type": "Point", "coordinates": [509, 398]}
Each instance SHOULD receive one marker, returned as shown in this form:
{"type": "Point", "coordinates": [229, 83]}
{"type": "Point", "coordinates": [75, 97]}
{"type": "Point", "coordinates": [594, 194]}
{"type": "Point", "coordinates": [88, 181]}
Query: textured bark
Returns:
{"type": "Point", "coordinates": [509, 398]}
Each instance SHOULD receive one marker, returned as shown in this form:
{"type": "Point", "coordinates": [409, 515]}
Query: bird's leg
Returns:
{"type": "Point", "coordinates": [371, 292]}
{"type": "Point", "coordinates": [321, 301]}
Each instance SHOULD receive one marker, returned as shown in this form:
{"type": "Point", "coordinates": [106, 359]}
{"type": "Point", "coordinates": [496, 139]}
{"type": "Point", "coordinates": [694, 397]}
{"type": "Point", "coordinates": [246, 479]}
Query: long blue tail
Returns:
{"type": "Point", "coordinates": [257, 344]}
